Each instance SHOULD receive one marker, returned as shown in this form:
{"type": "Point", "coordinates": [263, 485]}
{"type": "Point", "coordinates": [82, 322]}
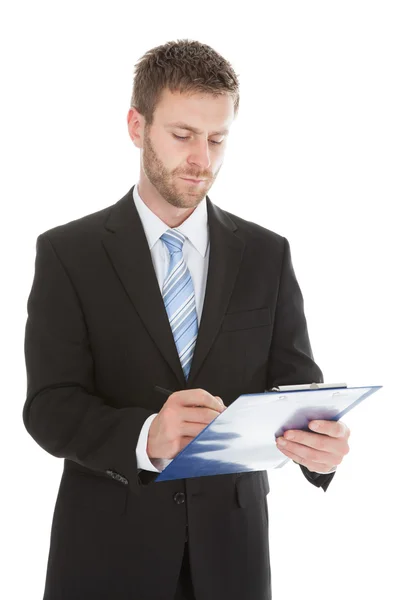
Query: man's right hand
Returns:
{"type": "Point", "coordinates": [184, 415]}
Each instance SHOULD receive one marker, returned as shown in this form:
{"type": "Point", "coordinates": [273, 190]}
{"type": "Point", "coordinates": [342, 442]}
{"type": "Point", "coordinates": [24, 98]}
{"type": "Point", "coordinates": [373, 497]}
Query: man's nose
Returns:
{"type": "Point", "coordinates": [200, 155]}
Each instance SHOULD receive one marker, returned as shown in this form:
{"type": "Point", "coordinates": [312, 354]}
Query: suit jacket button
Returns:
{"type": "Point", "coordinates": [179, 497]}
{"type": "Point", "coordinates": [117, 476]}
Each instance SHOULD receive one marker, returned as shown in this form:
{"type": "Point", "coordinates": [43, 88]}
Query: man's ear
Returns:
{"type": "Point", "coordinates": [135, 126]}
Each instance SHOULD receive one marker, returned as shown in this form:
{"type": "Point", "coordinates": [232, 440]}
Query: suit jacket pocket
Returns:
{"type": "Point", "coordinates": [251, 488]}
{"type": "Point", "coordinates": [246, 319]}
{"type": "Point", "coordinates": [95, 492]}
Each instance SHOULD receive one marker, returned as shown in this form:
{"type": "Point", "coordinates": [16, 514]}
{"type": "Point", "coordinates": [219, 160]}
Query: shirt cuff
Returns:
{"type": "Point", "coordinates": [142, 459]}
{"type": "Point", "coordinates": [325, 472]}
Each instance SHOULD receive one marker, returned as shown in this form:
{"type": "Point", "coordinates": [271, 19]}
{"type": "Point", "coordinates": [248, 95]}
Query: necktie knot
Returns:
{"type": "Point", "coordinates": [174, 240]}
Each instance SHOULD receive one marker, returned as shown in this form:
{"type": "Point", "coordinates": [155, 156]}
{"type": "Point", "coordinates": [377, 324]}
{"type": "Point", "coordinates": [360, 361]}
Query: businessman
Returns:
{"type": "Point", "coordinates": [163, 289]}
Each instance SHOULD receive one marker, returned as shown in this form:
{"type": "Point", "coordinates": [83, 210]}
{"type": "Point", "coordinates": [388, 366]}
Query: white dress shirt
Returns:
{"type": "Point", "coordinates": [196, 254]}
{"type": "Point", "coordinates": [196, 249]}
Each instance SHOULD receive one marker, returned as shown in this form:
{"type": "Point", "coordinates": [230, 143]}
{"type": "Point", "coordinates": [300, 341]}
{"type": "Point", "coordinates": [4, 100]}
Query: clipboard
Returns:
{"type": "Point", "coordinates": [242, 437]}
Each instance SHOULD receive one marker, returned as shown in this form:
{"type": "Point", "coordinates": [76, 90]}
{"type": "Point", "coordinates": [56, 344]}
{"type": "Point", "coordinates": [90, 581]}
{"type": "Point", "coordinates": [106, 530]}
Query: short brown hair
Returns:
{"type": "Point", "coordinates": [186, 66]}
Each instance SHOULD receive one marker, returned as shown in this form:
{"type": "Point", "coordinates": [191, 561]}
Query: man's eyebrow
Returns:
{"type": "Point", "coordinates": [182, 125]}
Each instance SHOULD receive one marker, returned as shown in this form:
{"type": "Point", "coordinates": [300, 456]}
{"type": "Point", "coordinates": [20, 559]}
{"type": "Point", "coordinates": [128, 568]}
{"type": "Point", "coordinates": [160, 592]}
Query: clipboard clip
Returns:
{"type": "Point", "coordinates": [308, 386]}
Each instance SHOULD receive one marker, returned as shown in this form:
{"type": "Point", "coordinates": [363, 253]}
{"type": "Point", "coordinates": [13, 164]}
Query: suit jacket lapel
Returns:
{"type": "Point", "coordinates": [130, 255]}
{"type": "Point", "coordinates": [129, 252]}
{"type": "Point", "coordinates": [226, 251]}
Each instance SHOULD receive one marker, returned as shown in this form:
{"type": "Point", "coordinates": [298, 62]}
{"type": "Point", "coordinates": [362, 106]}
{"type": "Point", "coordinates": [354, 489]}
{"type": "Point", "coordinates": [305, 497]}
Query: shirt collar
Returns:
{"type": "Point", "coordinates": [195, 227]}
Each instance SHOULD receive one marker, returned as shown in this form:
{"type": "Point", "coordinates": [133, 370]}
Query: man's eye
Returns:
{"type": "Point", "coordinates": [178, 137]}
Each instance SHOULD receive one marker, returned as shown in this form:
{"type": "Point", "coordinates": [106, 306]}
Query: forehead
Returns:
{"type": "Point", "coordinates": [199, 110]}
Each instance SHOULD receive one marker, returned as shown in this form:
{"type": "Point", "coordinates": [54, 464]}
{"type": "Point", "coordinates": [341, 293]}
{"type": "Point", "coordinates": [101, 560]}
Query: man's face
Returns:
{"type": "Point", "coordinates": [168, 160]}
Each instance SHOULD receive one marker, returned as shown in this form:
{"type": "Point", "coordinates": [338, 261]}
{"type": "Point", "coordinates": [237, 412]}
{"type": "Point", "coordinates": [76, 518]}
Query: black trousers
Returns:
{"type": "Point", "coordinates": [184, 590]}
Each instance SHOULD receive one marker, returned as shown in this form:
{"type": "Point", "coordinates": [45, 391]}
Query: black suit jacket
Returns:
{"type": "Point", "coordinates": [97, 342]}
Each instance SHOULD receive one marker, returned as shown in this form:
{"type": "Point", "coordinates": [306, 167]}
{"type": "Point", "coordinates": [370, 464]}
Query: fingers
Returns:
{"type": "Point", "coordinates": [184, 415]}
{"type": "Point", "coordinates": [197, 397]}
{"type": "Point", "coordinates": [198, 415]}
{"type": "Point", "coordinates": [334, 439]}
{"type": "Point", "coordinates": [313, 446]}
{"type": "Point", "coordinates": [312, 440]}
{"type": "Point", "coordinates": [334, 429]}
{"type": "Point", "coordinates": [220, 400]}
{"type": "Point", "coordinates": [190, 429]}
{"type": "Point", "coordinates": [314, 450]}
{"type": "Point", "coordinates": [184, 441]}
{"type": "Point", "coordinates": [306, 455]}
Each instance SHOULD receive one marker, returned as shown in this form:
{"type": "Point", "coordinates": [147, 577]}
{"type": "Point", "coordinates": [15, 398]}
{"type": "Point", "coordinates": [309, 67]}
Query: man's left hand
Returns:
{"type": "Point", "coordinates": [317, 452]}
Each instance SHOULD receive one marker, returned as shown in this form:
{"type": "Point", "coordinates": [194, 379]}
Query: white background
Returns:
{"type": "Point", "coordinates": [313, 155]}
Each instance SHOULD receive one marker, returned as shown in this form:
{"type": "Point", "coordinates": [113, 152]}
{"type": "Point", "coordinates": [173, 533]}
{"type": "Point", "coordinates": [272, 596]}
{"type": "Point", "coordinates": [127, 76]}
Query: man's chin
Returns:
{"type": "Point", "coordinates": [184, 202]}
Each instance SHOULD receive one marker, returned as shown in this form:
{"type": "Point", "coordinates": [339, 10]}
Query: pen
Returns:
{"type": "Point", "coordinates": [163, 390]}
{"type": "Point", "coordinates": [169, 392]}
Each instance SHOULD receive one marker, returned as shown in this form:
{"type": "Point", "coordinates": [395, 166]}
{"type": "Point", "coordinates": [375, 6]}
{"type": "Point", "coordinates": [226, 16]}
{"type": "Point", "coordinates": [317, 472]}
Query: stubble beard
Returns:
{"type": "Point", "coordinates": [163, 180]}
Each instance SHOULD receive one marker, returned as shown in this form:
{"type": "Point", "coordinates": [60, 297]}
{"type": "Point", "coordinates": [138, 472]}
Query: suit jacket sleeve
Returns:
{"type": "Point", "coordinates": [62, 411]}
{"type": "Point", "coordinates": [291, 359]}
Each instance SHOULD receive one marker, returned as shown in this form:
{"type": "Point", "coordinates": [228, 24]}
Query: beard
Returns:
{"type": "Point", "coordinates": [168, 184]}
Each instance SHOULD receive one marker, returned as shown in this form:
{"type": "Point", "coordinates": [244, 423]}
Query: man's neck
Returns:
{"type": "Point", "coordinates": [171, 215]}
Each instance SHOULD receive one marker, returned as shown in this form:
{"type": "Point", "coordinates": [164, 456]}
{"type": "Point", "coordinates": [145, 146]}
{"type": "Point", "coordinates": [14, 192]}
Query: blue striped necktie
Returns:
{"type": "Point", "coordinates": [179, 300]}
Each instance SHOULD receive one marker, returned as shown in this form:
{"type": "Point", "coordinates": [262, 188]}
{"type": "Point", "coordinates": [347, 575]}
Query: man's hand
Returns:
{"type": "Point", "coordinates": [314, 451]}
{"type": "Point", "coordinates": [184, 415]}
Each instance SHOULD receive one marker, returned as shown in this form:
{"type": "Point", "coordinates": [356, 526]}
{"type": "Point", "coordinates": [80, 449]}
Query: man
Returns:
{"type": "Point", "coordinates": [163, 289]}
